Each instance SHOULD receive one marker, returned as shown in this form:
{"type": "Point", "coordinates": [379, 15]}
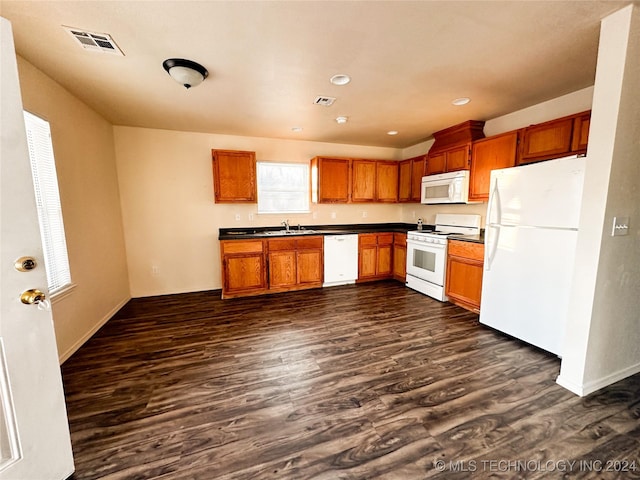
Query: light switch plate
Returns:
{"type": "Point", "coordinates": [620, 226]}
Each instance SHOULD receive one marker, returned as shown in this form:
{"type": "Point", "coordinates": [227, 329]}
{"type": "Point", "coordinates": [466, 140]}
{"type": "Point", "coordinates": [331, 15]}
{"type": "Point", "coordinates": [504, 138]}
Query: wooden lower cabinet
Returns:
{"type": "Point", "coordinates": [465, 261]}
{"type": "Point", "coordinates": [243, 268]}
{"type": "Point", "coordinates": [375, 256]}
{"type": "Point", "coordinates": [400, 256]}
{"type": "Point", "coordinates": [295, 263]}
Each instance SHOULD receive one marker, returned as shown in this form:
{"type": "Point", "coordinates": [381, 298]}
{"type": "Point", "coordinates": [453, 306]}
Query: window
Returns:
{"type": "Point", "coordinates": [283, 187]}
{"type": "Point", "coordinates": [45, 181]}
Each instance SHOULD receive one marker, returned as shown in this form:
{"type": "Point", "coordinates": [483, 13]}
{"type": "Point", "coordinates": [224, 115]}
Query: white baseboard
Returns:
{"type": "Point", "coordinates": [594, 385]}
{"type": "Point", "coordinates": [74, 348]}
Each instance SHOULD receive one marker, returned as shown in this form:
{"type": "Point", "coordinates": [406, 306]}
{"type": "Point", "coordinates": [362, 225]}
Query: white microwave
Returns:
{"type": "Point", "coordinates": [451, 187]}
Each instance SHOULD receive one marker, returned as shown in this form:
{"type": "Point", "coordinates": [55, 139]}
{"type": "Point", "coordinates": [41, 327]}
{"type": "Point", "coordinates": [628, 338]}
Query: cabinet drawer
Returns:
{"type": "Point", "coordinates": [368, 239]}
{"type": "Point", "coordinates": [470, 250]}
{"type": "Point", "coordinates": [385, 238]}
{"type": "Point", "coordinates": [400, 239]}
{"type": "Point", "coordinates": [242, 246]}
{"type": "Point", "coordinates": [309, 242]}
{"type": "Point", "coordinates": [282, 244]}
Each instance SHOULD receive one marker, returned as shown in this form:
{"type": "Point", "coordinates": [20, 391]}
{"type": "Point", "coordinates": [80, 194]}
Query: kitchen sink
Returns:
{"type": "Point", "coordinates": [290, 232]}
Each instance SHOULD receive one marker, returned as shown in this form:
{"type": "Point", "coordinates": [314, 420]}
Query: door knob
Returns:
{"type": "Point", "coordinates": [29, 297]}
{"type": "Point", "coordinates": [24, 264]}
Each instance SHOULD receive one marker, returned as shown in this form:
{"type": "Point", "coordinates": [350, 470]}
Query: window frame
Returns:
{"type": "Point", "coordinates": [305, 189]}
{"type": "Point", "coordinates": [49, 207]}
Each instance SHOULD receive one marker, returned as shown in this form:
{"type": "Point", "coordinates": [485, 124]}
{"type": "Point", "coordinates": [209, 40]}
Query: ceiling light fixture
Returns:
{"type": "Point", "coordinates": [460, 101]}
{"type": "Point", "coordinates": [185, 72]}
{"type": "Point", "coordinates": [296, 129]}
{"type": "Point", "coordinates": [392, 132]}
{"type": "Point", "coordinates": [342, 120]}
{"type": "Point", "coordinates": [340, 79]}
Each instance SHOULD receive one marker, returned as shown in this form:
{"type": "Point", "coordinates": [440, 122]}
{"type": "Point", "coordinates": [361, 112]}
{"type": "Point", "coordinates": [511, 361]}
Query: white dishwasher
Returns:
{"type": "Point", "coordinates": [340, 259]}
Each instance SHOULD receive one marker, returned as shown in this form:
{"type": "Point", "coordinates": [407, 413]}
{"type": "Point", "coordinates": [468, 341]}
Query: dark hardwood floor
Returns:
{"type": "Point", "coordinates": [373, 381]}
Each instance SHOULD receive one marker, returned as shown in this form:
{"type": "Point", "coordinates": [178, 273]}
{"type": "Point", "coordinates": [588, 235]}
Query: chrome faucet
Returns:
{"type": "Point", "coordinates": [286, 225]}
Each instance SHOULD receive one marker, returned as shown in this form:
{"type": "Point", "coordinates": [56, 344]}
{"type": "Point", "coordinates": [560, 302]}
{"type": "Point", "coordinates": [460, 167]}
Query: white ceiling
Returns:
{"type": "Point", "coordinates": [268, 60]}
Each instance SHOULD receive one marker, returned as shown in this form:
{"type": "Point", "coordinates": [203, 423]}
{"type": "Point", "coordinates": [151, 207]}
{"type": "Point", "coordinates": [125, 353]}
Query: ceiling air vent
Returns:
{"type": "Point", "coordinates": [324, 101]}
{"type": "Point", "coordinates": [97, 42]}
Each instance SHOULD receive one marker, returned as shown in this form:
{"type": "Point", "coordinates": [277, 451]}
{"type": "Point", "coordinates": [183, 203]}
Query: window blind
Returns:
{"type": "Point", "coordinates": [283, 187]}
{"type": "Point", "coordinates": [45, 181]}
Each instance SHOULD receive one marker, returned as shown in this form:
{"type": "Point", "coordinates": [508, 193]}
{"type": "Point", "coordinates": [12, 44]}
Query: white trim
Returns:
{"type": "Point", "coordinates": [595, 385]}
{"type": "Point", "coordinates": [62, 293]}
{"type": "Point", "coordinates": [74, 348]}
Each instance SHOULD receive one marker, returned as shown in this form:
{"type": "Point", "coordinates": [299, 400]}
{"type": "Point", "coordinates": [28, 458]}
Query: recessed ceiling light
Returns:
{"type": "Point", "coordinates": [340, 79]}
{"type": "Point", "coordinates": [461, 101]}
{"type": "Point", "coordinates": [392, 132]}
{"type": "Point", "coordinates": [296, 129]}
{"type": "Point", "coordinates": [342, 120]}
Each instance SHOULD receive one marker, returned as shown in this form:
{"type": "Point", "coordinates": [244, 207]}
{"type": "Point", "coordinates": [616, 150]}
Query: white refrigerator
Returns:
{"type": "Point", "coordinates": [530, 238]}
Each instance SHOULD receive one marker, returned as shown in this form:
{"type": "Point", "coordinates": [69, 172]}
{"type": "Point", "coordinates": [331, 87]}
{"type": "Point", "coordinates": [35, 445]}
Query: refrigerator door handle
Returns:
{"type": "Point", "coordinates": [492, 240]}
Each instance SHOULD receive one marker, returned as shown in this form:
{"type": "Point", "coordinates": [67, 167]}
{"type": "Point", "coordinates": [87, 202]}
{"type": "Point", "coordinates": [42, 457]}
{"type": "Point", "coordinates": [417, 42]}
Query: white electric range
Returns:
{"type": "Point", "coordinates": [427, 252]}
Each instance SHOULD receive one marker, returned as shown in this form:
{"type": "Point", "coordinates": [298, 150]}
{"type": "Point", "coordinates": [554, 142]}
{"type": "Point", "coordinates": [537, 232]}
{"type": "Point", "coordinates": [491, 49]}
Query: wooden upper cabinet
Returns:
{"type": "Point", "coordinates": [404, 181]}
{"type": "Point", "coordinates": [363, 187]}
{"type": "Point", "coordinates": [234, 176]}
{"type": "Point", "coordinates": [555, 139]}
{"type": "Point", "coordinates": [386, 181]}
{"type": "Point", "coordinates": [417, 172]}
{"type": "Point", "coordinates": [580, 135]}
{"type": "Point", "coordinates": [436, 164]}
{"type": "Point", "coordinates": [410, 174]}
{"type": "Point", "coordinates": [490, 154]}
{"type": "Point", "coordinates": [456, 158]}
{"type": "Point", "coordinates": [330, 179]}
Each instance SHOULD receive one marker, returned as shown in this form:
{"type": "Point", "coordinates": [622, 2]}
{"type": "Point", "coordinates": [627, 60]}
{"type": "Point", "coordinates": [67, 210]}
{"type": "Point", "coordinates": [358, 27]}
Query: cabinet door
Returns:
{"type": "Point", "coordinates": [464, 274]}
{"type": "Point", "coordinates": [282, 269]}
{"type": "Point", "coordinates": [384, 266]}
{"type": "Point", "coordinates": [400, 262]}
{"type": "Point", "coordinates": [234, 176]}
{"type": "Point", "coordinates": [490, 154]}
{"type": "Point", "coordinates": [330, 179]}
{"type": "Point", "coordinates": [243, 273]}
{"type": "Point", "coordinates": [464, 282]}
{"type": "Point", "coordinates": [367, 261]}
{"type": "Point", "coordinates": [386, 181]}
{"type": "Point", "coordinates": [404, 180]}
{"type": "Point", "coordinates": [436, 164]}
{"type": "Point", "coordinates": [547, 140]}
{"type": "Point", "coordinates": [458, 159]}
{"type": "Point", "coordinates": [363, 187]}
{"type": "Point", "coordinates": [310, 267]}
{"type": "Point", "coordinates": [417, 172]}
{"type": "Point", "coordinates": [580, 135]}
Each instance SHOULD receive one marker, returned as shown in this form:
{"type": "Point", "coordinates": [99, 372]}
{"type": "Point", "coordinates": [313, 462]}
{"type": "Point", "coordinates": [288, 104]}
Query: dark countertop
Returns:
{"type": "Point", "coordinates": [260, 232]}
{"type": "Point", "coordinates": [469, 238]}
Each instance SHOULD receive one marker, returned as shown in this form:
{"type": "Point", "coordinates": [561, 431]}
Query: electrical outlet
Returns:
{"type": "Point", "coordinates": [251, 217]}
{"type": "Point", "coordinates": [413, 214]}
{"type": "Point", "coordinates": [314, 215]}
{"type": "Point", "coordinates": [333, 214]}
{"type": "Point", "coordinates": [237, 217]}
{"type": "Point", "coordinates": [364, 214]}
{"type": "Point", "coordinates": [155, 270]}
{"type": "Point", "coordinates": [620, 226]}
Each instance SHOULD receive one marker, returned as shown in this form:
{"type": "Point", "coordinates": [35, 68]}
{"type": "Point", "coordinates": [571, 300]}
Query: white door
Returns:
{"type": "Point", "coordinates": [34, 432]}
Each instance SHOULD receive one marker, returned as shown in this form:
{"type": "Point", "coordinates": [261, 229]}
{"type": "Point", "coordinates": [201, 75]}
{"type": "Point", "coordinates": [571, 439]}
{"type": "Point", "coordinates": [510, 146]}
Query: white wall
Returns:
{"type": "Point", "coordinates": [85, 163]}
{"type": "Point", "coordinates": [603, 334]}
